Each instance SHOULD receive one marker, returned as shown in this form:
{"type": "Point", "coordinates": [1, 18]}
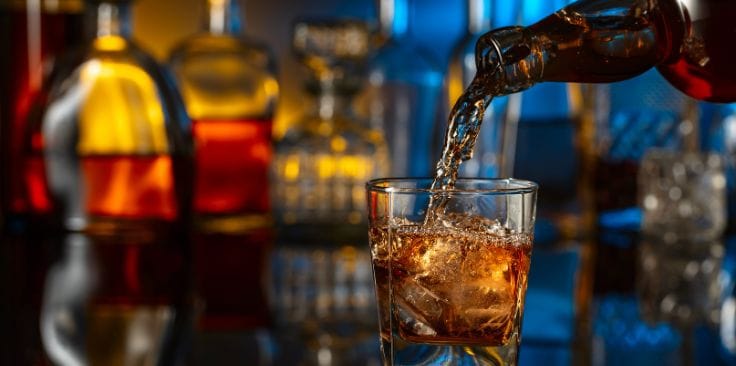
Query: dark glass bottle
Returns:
{"type": "Point", "coordinates": [612, 40]}
{"type": "Point", "coordinates": [32, 35]}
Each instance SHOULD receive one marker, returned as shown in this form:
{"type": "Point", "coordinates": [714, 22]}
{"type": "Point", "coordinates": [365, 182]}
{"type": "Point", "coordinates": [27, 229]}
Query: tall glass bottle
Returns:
{"type": "Point", "coordinates": [491, 157]}
{"type": "Point", "coordinates": [230, 91]}
{"type": "Point", "coordinates": [115, 145]}
{"type": "Point", "coordinates": [605, 41]}
{"type": "Point", "coordinates": [404, 84]}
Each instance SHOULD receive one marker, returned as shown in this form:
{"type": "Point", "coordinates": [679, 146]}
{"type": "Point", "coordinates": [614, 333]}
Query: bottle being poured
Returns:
{"type": "Point", "coordinates": [594, 41]}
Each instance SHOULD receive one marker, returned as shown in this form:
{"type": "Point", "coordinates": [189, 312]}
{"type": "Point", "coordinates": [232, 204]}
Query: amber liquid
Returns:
{"type": "Point", "coordinates": [29, 43]}
{"type": "Point", "coordinates": [689, 42]}
{"type": "Point", "coordinates": [705, 68]}
{"type": "Point", "coordinates": [451, 286]}
{"type": "Point", "coordinates": [462, 131]}
{"type": "Point", "coordinates": [117, 192]}
{"type": "Point", "coordinates": [232, 163]}
{"type": "Point", "coordinates": [129, 187]}
{"type": "Point", "coordinates": [140, 264]}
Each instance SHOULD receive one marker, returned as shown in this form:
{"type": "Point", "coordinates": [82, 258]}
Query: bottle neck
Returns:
{"type": "Point", "coordinates": [223, 17]}
{"type": "Point", "coordinates": [330, 100]}
{"type": "Point", "coordinates": [394, 17]}
{"type": "Point", "coordinates": [479, 16]}
{"type": "Point", "coordinates": [110, 19]}
{"type": "Point", "coordinates": [574, 45]}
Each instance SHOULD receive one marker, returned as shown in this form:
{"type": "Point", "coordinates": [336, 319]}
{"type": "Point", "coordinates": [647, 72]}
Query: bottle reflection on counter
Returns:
{"type": "Point", "coordinates": [229, 88]}
{"type": "Point", "coordinates": [111, 303]}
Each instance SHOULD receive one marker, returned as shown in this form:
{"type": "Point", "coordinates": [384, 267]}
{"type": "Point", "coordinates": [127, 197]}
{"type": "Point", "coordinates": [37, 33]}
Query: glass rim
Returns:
{"type": "Point", "coordinates": [513, 186]}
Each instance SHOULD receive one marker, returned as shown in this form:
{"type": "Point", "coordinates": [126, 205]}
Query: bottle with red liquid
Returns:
{"type": "Point", "coordinates": [594, 41]}
{"type": "Point", "coordinates": [114, 145]}
{"type": "Point", "coordinates": [32, 36]}
{"type": "Point", "coordinates": [230, 91]}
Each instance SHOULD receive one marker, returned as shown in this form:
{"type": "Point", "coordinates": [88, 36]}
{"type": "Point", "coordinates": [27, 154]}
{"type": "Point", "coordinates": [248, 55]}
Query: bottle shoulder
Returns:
{"type": "Point", "coordinates": [225, 77]}
{"type": "Point", "coordinates": [114, 98]}
{"type": "Point", "coordinates": [207, 46]}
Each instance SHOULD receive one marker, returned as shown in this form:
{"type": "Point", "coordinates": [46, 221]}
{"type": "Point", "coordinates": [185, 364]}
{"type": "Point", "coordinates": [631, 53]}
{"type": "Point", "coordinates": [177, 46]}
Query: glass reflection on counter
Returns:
{"type": "Point", "coordinates": [324, 303]}
{"type": "Point", "coordinates": [680, 282]}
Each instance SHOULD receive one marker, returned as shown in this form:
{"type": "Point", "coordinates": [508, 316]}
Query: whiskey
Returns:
{"type": "Point", "coordinates": [451, 285]}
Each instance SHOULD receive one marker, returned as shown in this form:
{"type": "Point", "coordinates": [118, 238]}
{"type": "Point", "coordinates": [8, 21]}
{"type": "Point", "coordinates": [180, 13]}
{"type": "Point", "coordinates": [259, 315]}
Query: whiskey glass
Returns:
{"type": "Point", "coordinates": [451, 290]}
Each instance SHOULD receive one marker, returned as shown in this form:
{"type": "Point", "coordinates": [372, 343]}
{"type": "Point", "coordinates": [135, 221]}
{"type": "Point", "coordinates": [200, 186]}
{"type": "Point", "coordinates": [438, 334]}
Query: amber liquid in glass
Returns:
{"type": "Point", "coordinates": [451, 285]}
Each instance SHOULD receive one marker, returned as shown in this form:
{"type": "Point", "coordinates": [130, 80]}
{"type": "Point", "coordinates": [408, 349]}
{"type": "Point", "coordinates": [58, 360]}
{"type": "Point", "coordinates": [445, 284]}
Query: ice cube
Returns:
{"type": "Point", "coordinates": [494, 318]}
{"type": "Point", "coordinates": [418, 307]}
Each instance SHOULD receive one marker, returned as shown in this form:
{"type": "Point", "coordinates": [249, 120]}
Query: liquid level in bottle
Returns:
{"type": "Point", "coordinates": [129, 186]}
{"type": "Point", "coordinates": [232, 162]}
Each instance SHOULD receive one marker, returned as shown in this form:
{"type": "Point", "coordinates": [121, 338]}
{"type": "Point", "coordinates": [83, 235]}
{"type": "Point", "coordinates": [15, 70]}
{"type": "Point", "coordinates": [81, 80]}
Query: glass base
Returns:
{"type": "Point", "coordinates": [403, 353]}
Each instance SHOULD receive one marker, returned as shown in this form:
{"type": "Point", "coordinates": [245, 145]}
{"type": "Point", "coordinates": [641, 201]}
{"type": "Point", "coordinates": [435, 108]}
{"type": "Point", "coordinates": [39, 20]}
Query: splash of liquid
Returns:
{"type": "Point", "coordinates": [467, 114]}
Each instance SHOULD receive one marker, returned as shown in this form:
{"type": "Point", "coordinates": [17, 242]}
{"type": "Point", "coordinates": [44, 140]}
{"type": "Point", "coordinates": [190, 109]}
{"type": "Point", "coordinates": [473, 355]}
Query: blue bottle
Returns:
{"type": "Point", "coordinates": [403, 93]}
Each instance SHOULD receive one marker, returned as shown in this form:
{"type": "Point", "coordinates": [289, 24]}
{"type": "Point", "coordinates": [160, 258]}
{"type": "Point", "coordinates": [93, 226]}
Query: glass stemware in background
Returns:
{"type": "Point", "coordinates": [402, 93]}
{"type": "Point", "coordinates": [229, 87]}
{"type": "Point", "coordinates": [321, 277]}
{"type": "Point", "coordinates": [114, 143]}
{"type": "Point", "coordinates": [494, 151]}
{"type": "Point", "coordinates": [323, 161]}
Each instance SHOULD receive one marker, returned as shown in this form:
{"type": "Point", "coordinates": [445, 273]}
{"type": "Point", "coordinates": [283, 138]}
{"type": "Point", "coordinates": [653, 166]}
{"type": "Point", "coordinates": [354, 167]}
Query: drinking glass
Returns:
{"type": "Point", "coordinates": [451, 268]}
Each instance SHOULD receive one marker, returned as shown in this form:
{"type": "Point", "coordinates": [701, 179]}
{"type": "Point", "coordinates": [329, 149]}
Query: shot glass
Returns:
{"type": "Point", "coordinates": [451, 269]}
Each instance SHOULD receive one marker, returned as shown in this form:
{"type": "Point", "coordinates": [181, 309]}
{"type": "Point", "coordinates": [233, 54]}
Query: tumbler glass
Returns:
{"type": "Point", "coordinates": [451, 268]}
